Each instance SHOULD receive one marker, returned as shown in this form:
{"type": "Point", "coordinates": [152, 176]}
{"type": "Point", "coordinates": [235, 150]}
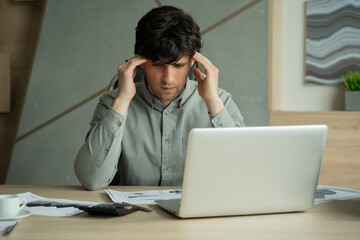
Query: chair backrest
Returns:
{"type": "Point", "coordinates": [139, 74]}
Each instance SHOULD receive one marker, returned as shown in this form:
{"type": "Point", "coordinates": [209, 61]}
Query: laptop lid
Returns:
{"type": "Point", "coordinates": [253, 170]}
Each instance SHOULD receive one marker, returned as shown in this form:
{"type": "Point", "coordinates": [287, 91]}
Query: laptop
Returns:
{"type": "Point", "coordinates": [253, 170]}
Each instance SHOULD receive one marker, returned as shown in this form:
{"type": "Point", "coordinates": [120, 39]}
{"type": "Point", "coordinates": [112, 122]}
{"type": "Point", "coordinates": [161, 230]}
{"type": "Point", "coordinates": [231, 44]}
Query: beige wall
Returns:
{"type": "Point", "coordinates": [295, 95]}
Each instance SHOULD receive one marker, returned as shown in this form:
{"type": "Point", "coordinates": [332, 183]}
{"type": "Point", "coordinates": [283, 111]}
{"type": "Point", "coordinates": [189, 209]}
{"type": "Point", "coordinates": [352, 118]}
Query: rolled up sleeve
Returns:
{"type": "Point", "coordinates": [230, 116]}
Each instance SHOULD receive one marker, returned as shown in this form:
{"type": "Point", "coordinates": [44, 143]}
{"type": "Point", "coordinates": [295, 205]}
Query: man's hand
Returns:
{"type": "Point", "coordinates": [208, 86]}
{"type": "Point", "coordinates": [126, 85]}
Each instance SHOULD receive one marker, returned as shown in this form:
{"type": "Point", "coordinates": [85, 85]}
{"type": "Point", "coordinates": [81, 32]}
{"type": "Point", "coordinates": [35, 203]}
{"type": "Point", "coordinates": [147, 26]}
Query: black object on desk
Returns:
{"type": "Point", "coordinates": [112, 209]}
{"type": "Point", "coordinates": [109, 209]}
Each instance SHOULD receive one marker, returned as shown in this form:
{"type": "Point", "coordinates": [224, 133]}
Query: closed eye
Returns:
{"type": "Point", "coordinates": [180, 65]}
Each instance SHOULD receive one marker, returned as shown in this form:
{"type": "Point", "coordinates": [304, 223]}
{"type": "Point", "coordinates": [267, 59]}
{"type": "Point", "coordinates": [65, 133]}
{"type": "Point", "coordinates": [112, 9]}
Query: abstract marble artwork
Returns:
{"type": "Point", "coordinates": [332, 44]}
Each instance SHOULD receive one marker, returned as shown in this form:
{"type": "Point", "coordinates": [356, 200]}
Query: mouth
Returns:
{"type": "Point", "coordinates": [168, 89]}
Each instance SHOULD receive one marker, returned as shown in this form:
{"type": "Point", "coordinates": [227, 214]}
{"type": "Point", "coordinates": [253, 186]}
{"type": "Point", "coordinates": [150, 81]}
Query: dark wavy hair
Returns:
{"type": "Point", "coordinates": [165, 34]}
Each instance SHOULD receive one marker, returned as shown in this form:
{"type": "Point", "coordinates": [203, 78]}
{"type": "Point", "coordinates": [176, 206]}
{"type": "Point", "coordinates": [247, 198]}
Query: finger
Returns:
{"type": "Point", "coordinates": [136, 61]}
{"type": "Point", "coordinates": [198, 75]}
{"type": "Point", "coordinates": [134, 73]}
{"type": "Point", "coordinates": [203, 61]}
{"type": "Point", "coordinates": [135, 57]}
{"type": "Point", "coordinates": [132, 63]}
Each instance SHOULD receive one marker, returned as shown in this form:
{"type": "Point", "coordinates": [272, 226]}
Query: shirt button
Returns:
{"type": "Point", "coordinates": [166, 141]}
{"type": "Point", "coordinates": [166, 113]}
{"type": "Point", "coordinates": [218, 125]}
{"type": "Point", "coordinates": [106, 151]}
{"type": "Point", "coordinates": [118, 123]}
{"type": "Point", "coordinates": [165, 168]}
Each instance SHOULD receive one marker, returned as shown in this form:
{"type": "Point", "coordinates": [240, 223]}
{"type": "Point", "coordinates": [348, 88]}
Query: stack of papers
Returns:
{"type": "Point", "coordinates": [143, 197]}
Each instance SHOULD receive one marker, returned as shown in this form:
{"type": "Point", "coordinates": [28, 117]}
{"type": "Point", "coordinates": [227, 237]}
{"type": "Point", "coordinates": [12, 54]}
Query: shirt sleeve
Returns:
{"type": "Point", "coordinates": [97, 161]}
{"type": "Point", "coordinates": [230, 116]}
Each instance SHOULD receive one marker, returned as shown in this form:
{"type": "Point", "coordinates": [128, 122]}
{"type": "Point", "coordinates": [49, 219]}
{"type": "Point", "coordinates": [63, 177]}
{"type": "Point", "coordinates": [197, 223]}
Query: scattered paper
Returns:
{"type": "Point", "coordinates": [326, 194]}
{"type": "Point", "coordinates": [30, 197]}
{"type": "Point", "coordinates": [54, 211]}
{"type": "Point", "coordinates": [6, 224]}
{"type": "Point", "coordinates": [50, 210]}
{"type": "Point", "coordinates": [143, 197]}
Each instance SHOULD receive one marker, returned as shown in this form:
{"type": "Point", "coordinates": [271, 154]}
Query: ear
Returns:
{"type": "Point", "coordinates": [192, 61]}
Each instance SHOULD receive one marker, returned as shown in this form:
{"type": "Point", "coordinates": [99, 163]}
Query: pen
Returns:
{"type": "Point", "coordinates": [175, 191]}
{"type": "Point", "coordinates": [53, 204]}
{"type": "Point", "coordinates": [9, 229]}
{"type": "Point", "coordinates": [50, 205]}
{"type": "Point", "coordinates": [140, 196]}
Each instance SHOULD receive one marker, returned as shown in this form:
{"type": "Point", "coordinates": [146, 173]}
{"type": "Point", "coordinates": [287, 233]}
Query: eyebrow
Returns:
{"type": "Point", "coordinates": [181, 63]}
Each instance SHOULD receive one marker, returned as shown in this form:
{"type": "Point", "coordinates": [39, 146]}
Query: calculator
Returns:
{"type": "Point", "coordinates": [112, 209]}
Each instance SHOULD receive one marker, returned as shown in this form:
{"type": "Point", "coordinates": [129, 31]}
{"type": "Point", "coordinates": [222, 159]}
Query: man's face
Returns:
{"type": "Point", "coordinates": [167, 81]}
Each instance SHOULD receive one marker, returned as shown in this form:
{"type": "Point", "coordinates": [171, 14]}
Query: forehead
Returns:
{"type": "Point", "coordinates": [184, 59]}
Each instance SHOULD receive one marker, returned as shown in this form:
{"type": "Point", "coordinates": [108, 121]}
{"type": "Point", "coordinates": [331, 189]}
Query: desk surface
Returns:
{"type": "Point", "coordinates": [335, 220]}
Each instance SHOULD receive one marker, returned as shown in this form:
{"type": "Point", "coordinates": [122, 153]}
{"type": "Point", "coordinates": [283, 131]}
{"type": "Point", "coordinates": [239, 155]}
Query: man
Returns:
{"type": "Point", "coordinates": [139, 131]}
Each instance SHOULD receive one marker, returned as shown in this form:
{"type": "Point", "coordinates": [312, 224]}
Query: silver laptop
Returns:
{"type": "Point", "coordinates": [253, 170]}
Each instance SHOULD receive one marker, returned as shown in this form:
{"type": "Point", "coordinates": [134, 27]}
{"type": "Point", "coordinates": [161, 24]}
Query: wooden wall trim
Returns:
{"type": "Point", "coordinates": [341, 161]}
{"type": "Point", "coordinates": [4, 82]}
{"type": "Point", "coordinates": [274, 55]}
{"type": "Point", "coordinates": [19, 32]}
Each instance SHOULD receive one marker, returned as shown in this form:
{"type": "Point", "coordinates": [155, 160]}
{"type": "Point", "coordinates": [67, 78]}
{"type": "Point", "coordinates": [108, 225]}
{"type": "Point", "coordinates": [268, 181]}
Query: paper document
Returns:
{"type": "Point", "coordinates": [326, 194]}
{"type": "Point", "coordinates": [143, 197]}
{"type": "Point", "coordinates": [53, 211]}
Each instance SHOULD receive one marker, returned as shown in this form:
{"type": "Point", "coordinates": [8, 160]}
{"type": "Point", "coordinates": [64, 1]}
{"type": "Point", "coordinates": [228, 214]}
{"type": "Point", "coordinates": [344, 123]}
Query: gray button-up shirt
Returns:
{"type": "Point", "coordinates": [146, 146]}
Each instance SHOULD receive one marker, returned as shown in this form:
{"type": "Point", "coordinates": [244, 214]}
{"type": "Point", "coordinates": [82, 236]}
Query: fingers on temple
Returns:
{"type": "Point", "coordinates": [198, 75]}
{"type": "Point", "coordinates": [133, 62]}
{"type": "Point", "coordinates": [205, 63]}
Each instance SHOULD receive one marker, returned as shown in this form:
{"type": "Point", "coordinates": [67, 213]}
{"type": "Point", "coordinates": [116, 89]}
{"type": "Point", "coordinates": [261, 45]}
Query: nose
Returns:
{"type": "Point", "coordinates": [168, 74]}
